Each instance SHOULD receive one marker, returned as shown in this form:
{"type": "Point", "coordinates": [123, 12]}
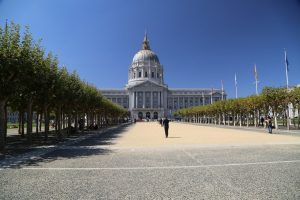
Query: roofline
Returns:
{"type": "Point", "coordinates": [111, 89]}
{"type": "Point", "coordinates": [193, 89]}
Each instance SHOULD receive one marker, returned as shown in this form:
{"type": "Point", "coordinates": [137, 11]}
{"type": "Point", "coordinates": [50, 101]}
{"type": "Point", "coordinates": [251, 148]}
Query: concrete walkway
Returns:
{"type": "Point", "coordinates": [151, 134]}
{"type": "Point", "coordinates": [138, 162]}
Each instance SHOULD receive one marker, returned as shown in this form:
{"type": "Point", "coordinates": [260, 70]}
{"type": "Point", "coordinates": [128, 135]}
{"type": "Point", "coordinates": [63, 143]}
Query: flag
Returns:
{"type": "Point", "coordinates": [255, 73]}
{"type": "Point", "coordinates": [286, 61]}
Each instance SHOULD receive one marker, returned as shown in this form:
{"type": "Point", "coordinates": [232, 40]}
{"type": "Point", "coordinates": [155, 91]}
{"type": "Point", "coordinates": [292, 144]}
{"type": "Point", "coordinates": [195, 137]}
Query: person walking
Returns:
{"type": "Point", "coordinates": [262, 121]}
{"type": "Point", "coordinates": [269, 124]}
{"type": "Point", "coordinates": [166, 126]}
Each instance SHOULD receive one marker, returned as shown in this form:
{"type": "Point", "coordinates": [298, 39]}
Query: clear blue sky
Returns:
{"type": "Point", "coordinates": [199, 42]}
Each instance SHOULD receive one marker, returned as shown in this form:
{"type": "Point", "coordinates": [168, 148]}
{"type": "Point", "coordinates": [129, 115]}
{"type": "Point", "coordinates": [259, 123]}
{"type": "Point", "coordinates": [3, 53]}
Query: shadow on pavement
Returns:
{"type": "Point", "coordinates": [106, 138]}
{"type": "Point", "coordinates": [63, 154]}
{"type": "Point", "coordinates": [84, 148]}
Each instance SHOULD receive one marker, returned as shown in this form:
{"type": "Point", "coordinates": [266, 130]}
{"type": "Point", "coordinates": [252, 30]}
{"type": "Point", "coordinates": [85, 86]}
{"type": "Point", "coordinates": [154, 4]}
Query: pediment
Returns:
{"type": "Point", "coordinates": [217, 93]}
{"type": "Point", "coordinates": [148, 84]}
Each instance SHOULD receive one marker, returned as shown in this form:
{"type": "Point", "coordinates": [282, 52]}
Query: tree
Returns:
{"type": "Point", "coordinates": [276, 100]}
{"type": "Point", "coordinates": [9, 71]}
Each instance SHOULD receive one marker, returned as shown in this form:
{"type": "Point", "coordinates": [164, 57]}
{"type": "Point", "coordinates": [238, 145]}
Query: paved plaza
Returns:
{"type": "Point", "coordinates": [137, 162]}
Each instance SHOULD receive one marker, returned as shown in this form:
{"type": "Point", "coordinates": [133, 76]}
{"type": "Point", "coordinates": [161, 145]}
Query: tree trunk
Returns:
{"type": "Point", "coordinates": [247, 120]}
{"type": "Point", "coordinates": [20, 123]}
{"type": "Point", "coordinates": [240, 115]}
{"type": "Point", "coordinates": [2, 124]}
{"type": "Point", "coordinates": [56, 123]}
{"type": "Point", "coordinates": [288, 118]}
{"type": "Point", "coordinates": [69, 123]}
{"type": "Point", "coordinates": [38, 116]}
{"type": "Point", "coordinates": [41, 121]}
{"type": "Point", "coordinates": [62, 117]}
{"type": "Point", "coordinates": [76, 122]}
{"type": "Point", "coordinates": [29, 122]}
{"type": "Point", "coordinates": [37, 123]}
{"type": "Point", "coordinates": [46, 132]}
{"type": "Point", "coordinates": [275, 118]}
{"type": "Point", "coordinates": [5, 121]}
{"type": "Point", "coordinates": [233, 118]}
{"type": "Point", "coordinates": [23, 124]}
{"type": "Point", "coordinates": [228, 119]}
{"type": "Point", "coordinates": [59, 123]}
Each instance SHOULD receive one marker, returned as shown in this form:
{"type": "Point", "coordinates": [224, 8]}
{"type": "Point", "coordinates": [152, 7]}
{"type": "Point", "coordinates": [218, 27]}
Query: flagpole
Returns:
{"type": "Point", "coordinates": [256, 80]}
{"type": "Point", "coordinates": [286, 70]}
{"type": "Point", "coordinates": [235, 85]}
{"type": "Point", "coordinates": [287, 87]}
{"type": "Point", "coordinates": [211, 97]}
{"type": "Point", "coordinates": [222, 90]}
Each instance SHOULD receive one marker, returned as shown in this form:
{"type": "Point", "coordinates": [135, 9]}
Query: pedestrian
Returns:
{"type": "Point", "coordinates": [166, 126]}
{"type": "Point", "coordinates": [262, 121]}
{"type": "Point", "coordinates": [161, 122]}
{"type": "Point", "coordinates": [269, 124]}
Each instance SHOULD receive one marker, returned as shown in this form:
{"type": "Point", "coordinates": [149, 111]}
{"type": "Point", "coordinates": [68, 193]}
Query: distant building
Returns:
{"type": "Point", "coordinates": [147, 96]}
{"type": "Point", "coordinates": [12, 117]}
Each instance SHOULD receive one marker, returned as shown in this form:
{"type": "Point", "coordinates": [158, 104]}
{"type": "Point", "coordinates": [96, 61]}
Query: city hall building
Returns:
{"type": "Point", "coordinates": [147, 96]}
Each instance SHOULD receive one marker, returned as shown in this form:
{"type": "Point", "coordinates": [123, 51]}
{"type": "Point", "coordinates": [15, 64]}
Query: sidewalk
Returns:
{"type": "Point", "coordinates": [250, 128]}
{"type": "Point", "coordinates": [151, 135]}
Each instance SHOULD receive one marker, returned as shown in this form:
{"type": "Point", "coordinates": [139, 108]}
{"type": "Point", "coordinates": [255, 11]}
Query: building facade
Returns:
{"type": "Point", "coordinates": [147, 96]}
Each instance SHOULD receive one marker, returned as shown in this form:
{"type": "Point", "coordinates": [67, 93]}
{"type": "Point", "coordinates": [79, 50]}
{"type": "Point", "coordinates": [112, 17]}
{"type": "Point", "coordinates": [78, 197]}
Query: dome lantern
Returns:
{"type": "Point", "coordinates": [146, 45]}
{"type": "Point", "coordinates": [145, 55]}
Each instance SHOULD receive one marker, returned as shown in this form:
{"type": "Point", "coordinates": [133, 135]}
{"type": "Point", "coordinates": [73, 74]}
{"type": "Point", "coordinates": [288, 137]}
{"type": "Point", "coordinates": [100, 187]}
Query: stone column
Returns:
{"type": "Point", "coordinates": [151, 99]}
{"type": "Point", "coordinates": [173, 104]}
{"type": "Point", "coordinates": [162, 99]}
{"type": "Point", "coordinates": [159, 96]}
{"type": "Point", "coordinates": [136, 102]}
{"type": "Point", "coordinates": [144, 99]}
{"type": "Point", "coordinates": [133, 106]}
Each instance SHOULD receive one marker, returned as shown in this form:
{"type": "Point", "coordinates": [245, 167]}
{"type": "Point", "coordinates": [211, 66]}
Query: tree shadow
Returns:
{"type": "Point", "coordinates": [106, 138]}
{"type": "Point", "coordinates": [91, 146]}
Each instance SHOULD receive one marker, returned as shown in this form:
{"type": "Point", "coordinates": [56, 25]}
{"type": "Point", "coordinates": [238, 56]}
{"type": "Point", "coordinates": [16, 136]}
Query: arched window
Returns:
{"type": "Point", "coordinates": [140, 115]}
{"type": "Point", "coordinates": [148, 115]}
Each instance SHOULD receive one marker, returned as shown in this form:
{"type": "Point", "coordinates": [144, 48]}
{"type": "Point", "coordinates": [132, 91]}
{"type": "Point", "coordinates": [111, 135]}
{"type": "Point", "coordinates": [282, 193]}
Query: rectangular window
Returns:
{"type": "Point", "coordinates": [140, 74]}
{"type": "Point", "coordinates": [133, 75]}
{"type": "Point", "coordinates": [152, 74]}
{"type": "Point", "coordinates": [157, 75]}
{"type": "Point", "coordinates": [146, 74]}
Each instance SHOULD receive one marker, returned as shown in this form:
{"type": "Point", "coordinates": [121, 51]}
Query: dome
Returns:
{"type": "Point", "coordinates": [145, 55]}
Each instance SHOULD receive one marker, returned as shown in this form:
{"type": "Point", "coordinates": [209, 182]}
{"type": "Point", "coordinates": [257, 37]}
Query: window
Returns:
{"type": "Point", "coordinates": [152, 74]}
{"type": "Point", "coordinates": [140, 74]}
{"type": "Point", "coordinates": [133, 75]}
{"type": "Point", "coordinates": [146, 74]}
{"type": "Point", "coordinates": [157, 75]}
